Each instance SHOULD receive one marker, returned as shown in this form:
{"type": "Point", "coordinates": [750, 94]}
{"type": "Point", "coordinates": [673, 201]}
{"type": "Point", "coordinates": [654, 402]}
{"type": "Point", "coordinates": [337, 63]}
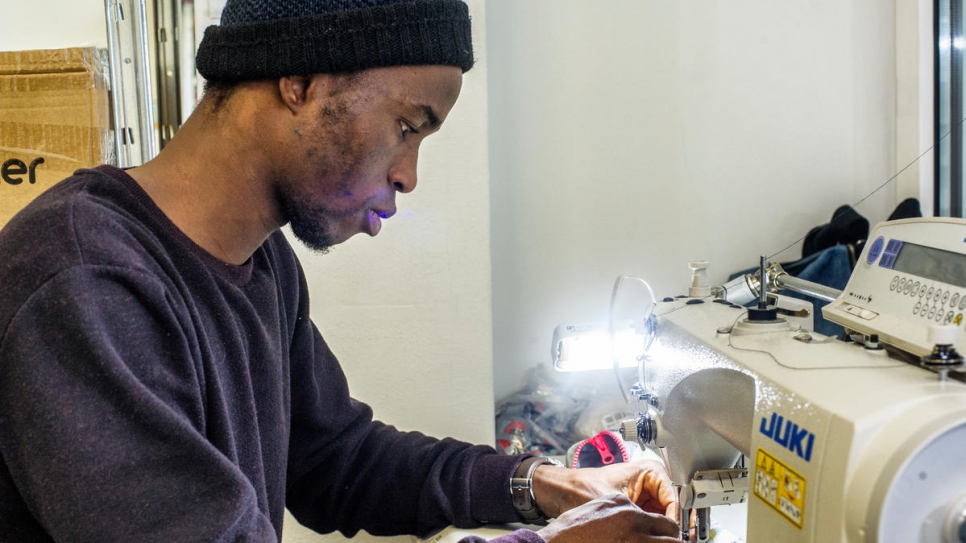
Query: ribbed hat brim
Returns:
{"type": "Point", "coordinates": [419, 32]}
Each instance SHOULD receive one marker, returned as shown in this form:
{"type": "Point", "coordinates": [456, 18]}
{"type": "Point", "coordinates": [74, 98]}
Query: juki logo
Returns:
{"type": "Point", "coordinates": [787, 434]}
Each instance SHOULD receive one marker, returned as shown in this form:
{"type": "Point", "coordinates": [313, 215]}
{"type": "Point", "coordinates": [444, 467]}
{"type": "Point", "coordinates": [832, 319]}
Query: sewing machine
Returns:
{"type": "Point", "coordinates": [846, 441]}
{"type": "Point", "coordinates": [852, 441]}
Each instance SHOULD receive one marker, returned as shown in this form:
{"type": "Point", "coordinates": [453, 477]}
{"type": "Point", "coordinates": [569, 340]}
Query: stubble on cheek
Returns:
{"type": "Point", "coordinates": [345, 144]}
{"type": "Point", "coordinates": [314, 210]}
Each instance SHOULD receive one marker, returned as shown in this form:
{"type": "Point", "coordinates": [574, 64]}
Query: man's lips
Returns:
{"type": "Point", "coordinates": [375, 218]}
{"type": "Point", "coordinates": [374, 224]}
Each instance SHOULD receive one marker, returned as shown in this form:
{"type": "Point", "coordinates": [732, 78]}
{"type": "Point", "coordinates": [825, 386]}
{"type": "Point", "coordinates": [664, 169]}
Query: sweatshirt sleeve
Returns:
{"type": "Point", "coordinates": [102, 419]}
{"type": "Point", "coordinates": [348, 472]}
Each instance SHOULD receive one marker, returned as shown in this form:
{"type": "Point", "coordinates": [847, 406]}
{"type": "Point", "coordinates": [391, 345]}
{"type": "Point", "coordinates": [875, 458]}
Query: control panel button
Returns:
{"type": "Point", "coordinates": [954, 300]}
{"type": "Point", "coordinates": [875, 249]}
{"type": "Point", "coordinates": [937, 295]}
{"type": "Point", "coordinates": [945, 297]}
{"type": "Point", "coordinates": [868, 314]}
{"type": "Point", "coordinates": [917, 307]}
{"type": "Point", "coordinates": [894, 283]}
{"type": "Point", "coordinates": [930, 292]}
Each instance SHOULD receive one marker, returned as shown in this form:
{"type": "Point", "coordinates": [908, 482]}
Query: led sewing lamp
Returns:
{"type": "Point", "coordinates": [583, 347]}
{"type": "Point", "coordinates": [599, 346]}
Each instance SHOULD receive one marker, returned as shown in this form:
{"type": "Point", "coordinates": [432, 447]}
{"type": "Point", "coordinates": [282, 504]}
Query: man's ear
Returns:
{"type": "Point", "coordinates": [293, 91]}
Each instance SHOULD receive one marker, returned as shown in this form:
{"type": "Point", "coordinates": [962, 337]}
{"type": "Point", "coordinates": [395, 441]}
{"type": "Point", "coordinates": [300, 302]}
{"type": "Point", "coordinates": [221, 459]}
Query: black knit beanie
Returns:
{"type": "Point", "coordinates": [267, 39]}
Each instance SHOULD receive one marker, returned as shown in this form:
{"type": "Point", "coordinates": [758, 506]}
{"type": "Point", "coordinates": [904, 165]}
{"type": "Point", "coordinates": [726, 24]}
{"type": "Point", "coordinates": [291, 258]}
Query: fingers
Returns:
{"type": "Point", "coordinates": [645, 483]}
{"type": "Point", "coordinates": [658, 483]}
{"type": "Point", "coordinates": [672, 508]}
{"type": "Point", "coordinates": [656, 524]}
{"type": "Point", "coordinates": [644, 522]}
{"type": "Point", "coordinates": [654, 491]}
{"type": "Point", "coordinates": [613, 517]}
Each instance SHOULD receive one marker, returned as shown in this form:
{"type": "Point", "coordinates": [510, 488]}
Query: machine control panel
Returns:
{"type": "Point", "coordinates": [912, 274]}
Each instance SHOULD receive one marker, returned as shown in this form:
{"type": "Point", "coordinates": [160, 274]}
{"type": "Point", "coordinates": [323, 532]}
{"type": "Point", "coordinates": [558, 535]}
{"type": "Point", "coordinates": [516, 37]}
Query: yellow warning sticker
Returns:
{"type": "Point", "coordinates": [780, 487]}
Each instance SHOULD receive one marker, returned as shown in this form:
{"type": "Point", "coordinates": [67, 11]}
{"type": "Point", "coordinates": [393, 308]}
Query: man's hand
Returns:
{"type": "Point", "coordinates": [611, 518]}
{"type": "Point", "coordinates": [646, 483]}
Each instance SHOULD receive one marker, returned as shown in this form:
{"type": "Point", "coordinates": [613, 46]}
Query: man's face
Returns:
{"type": "Point", "coordinates": [356, 146]}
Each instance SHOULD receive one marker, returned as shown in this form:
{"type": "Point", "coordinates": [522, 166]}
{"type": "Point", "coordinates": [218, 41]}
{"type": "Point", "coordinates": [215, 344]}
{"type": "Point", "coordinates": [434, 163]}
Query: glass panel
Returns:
{"type": "Point", "coordinates": [949, 108]}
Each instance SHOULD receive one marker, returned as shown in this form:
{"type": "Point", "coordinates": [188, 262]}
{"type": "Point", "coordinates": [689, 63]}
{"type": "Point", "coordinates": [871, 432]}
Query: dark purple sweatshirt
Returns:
{"type": "Point", "coordinates": [150, 392]}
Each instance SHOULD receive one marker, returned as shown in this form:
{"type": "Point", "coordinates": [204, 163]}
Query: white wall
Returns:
{"type": "Point", "coordinates": [914, 101]}
{"type": "Point", "coordinates": [51, 24]}
{"type": "Point", "coordinates": [632, 136]}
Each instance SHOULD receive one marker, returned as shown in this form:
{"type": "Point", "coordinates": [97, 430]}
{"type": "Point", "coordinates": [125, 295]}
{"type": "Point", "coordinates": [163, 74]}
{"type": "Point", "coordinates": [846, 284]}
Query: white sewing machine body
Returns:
{"type": "Point", "coordinates": [844, 443]}
{"type": "Point", "coordinates": [912, 273]}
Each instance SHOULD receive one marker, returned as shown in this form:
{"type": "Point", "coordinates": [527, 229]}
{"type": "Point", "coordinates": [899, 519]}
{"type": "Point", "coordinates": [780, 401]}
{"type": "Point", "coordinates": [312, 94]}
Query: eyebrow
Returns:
{"type": "Point", "coordinates": [431, 116]}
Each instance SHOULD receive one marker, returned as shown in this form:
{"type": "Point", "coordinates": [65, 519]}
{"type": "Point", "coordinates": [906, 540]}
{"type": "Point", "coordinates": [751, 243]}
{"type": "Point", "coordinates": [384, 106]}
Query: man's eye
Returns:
{"type": "Point", "coordinates": [406, 128]}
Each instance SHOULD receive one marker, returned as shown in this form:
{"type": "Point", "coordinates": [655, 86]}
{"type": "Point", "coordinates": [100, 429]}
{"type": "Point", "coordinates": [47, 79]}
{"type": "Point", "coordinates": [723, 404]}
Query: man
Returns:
{"type": "Point", "coordinates": [160, 378]}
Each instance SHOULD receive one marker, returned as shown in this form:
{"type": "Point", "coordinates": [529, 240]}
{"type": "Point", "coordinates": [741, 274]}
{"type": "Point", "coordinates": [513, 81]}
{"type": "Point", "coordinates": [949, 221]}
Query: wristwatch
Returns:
{"type": "Point", "coordinates": [521, 489]}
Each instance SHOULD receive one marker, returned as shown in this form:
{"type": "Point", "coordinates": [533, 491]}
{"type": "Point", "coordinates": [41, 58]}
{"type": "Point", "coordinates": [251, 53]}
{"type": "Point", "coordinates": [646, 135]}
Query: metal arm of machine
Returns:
{"type": "Point", "coordinates": [779, 279]}
{"type": "Point", "coordinates": [747, 288]}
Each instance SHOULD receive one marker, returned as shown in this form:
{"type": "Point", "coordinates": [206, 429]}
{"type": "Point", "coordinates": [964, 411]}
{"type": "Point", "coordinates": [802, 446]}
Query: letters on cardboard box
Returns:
{"type": "Point", "coordinates": [54, 119]}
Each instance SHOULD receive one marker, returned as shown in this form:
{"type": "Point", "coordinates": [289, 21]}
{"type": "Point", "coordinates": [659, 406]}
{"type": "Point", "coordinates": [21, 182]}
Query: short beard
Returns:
{"type": "Point", "coordinates": [308, 223]}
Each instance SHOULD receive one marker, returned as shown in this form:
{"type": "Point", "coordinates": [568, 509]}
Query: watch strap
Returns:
{"type": "Point", "coordinates": [521, 489]}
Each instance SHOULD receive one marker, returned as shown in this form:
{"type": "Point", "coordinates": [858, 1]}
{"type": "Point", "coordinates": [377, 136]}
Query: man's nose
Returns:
{"type": "Point", "coordinates": [403, 175]}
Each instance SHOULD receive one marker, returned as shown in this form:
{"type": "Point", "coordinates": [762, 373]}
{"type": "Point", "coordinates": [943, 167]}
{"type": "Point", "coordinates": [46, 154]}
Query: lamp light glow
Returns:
{"type": "Point", "coordinates": [581, 347]}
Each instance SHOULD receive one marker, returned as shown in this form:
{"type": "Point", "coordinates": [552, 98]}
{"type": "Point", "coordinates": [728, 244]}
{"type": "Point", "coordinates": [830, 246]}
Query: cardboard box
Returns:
{"type": "Point", "coordinates": [54, 118]}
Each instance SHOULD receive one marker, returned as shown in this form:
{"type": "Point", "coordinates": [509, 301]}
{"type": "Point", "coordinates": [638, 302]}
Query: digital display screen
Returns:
{"type": "Point", "coordinates": [932, 263]}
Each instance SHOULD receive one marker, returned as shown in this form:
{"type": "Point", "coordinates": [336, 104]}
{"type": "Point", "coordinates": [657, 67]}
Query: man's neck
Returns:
{"type": "Point", "coordinates": [214, 186]}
